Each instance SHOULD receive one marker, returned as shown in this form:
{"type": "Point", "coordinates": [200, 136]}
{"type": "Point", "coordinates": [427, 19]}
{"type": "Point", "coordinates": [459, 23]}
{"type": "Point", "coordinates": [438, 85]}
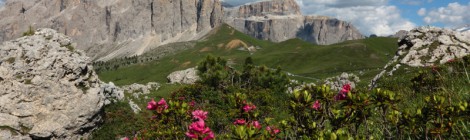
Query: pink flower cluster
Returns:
{"type": "Point", "coordinates": [249, 107]}
{"type": "Point", "coordinates": [273, 131]}
{"type": "Point", "coordinates": [198, 128]}
{"type": "Point", "coordinates": [239, 122]}
{"type": "Point", "coordinates": [343, 93]}
{"type": "Point", "coordinates": [255, 124]}
{"type": "Point", "coordinates": [316, 105]}
{"type": "Point", "coordinates": [192, 103]}
{"type": "Point", "coordinates": [199, 115]}
{"type": "Point", "coordinates": [160, 106]}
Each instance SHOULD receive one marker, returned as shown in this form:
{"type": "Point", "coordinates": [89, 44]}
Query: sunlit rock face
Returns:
{"type": "Point", "coordinates": [106, 29]}
{"type": "Point", "coordinates": [281, 20]}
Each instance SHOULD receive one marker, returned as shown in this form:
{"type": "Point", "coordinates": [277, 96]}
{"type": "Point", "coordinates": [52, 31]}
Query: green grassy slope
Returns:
{"type": "Point", "coordinates": [294, 56]}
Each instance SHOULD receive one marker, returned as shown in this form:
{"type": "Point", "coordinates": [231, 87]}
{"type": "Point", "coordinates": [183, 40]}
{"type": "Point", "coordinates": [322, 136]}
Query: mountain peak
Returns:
{"type": "Point", "coordinates": [108, 29]}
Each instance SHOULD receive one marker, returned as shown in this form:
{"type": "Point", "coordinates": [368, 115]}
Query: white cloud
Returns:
{"type": "Point", "coordinates": [422, 11]}
{"type": "Point", "coordinates": [369, 16]}
{"type": "Point", "coordinates": [453, 15]}
{"type": "Point", "coordinates": [414, 2]}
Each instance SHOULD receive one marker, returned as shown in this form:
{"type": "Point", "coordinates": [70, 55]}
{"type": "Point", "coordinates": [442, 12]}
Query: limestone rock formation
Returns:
{"type": "Point", "coordinates": [48, 90]}
{"type": "Point", "coordinates": [337, 83]}
{"type": "Point", "coordinates": [112, 93]}
{"type": "Point", "coordinates": [188, 76]}
{"type": "Point", "coordinates": [139, 89]}
{"type": "Point", "coordinates": [107, 29]}
{"type": "Point", "coordinates": [427, 46]}
{"type": "Point", "coordinates": [281, 20]}
{"type": "Point", "coordinates": [275, 7]}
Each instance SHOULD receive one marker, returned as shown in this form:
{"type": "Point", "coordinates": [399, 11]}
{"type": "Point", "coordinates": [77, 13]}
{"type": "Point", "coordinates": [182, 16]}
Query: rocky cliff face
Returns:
{"type": "Point", "coordinates": [275, 7]}
{"type": "Point", "coordinates": [280, 20]}
{"type": "Point", "coordinates": [48, 90]}
{"type": "Point", "coordinates": [113, 28]}
{"type": "Point", "coordinates": [427, 46]}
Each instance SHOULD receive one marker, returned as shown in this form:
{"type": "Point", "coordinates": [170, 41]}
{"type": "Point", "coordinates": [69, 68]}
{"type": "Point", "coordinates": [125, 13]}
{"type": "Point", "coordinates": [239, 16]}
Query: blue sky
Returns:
{"type": "Point", "coordinates": [385, 17]}
{"type": "Point", "coordinates": [410, 10]}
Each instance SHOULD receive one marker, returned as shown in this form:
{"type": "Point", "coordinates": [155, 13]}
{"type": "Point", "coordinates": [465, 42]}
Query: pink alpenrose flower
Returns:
{"type": "Point", "coordinates": [199, 126]}
{"type": "Point", "coordinates": [162, 105]}
{"type": "Point", "coordinates": [192, 103]}
{"type": "Point", "coordinates": [198, 130]}
{"type": "Point", "coordinates": [199, 114]}
{"type": "Point", "coordinates": [273, 131]}
{"type": "Point", "coordinates": [346, 88]}
{"type": "Point", "coordinates": [239, 122]}
{"type": "Point", "coordinates": [249, 107]}
{"type": "Point", "coordinates": [152, 105]}
{"type": "Point", "coordinates": [159, 106]}
{"type": "Point", "coordinates": [192, 135]}
{"type": "Point", "coordinates": [210, 136]}
{"type": "Point", "coordinates": [316, 105]}
{"type": "Point", "coordinates": [343, 93]}
{"type": "Point", "coordinates": [256, 124]}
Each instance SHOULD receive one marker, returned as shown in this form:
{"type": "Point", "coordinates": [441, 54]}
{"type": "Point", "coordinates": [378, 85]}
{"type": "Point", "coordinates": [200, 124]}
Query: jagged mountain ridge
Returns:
{"type": "Point", "coordinates": [107, 29]}
{"type": "Point", "coordinates": [280, 20]}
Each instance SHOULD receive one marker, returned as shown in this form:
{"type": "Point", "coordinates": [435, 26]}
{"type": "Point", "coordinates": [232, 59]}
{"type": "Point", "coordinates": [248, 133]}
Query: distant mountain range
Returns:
{"type": "Point", "coordinates": [108, 29]}
{"type": "Point", "coordinates": [280, 20]}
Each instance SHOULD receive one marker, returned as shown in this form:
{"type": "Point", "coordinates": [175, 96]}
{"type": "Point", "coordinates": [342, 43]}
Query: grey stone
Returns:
{"type": "Point", "coordinates": [188, 76]}
{"type": "Point", "coordinates": [427, 46]}
{"type": "Point", "coordinates": [48, 88]}
{"type": "Point", "coordinates": [139, 89]}
{"type": "Point", "coordinates": [112, 93]}
{"type": "Point", "coordinates": [336, 83]}
{"type": "Point", "coordinates": [134, 107]}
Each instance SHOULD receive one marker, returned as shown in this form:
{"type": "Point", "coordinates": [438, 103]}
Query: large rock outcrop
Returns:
{"type": "Point", "coordinates": [107, 29]}
{"type": "Point", "coordinates": [427, 46]}
{"type": "Point", "coordinates": [280, 20]}
{"type": "Point", "coordinates": [336, 83]}
{"type": "Point", "coordinates": [48, 90]}
{"type": "Point", "coordinates": [188, 76]}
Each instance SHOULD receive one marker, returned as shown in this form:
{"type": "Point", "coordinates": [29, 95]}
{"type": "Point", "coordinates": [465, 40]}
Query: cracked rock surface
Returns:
{"type": "Point", "coordinates": [427, 46]}
{"type": "Point", "coordinates": [48, 90]}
